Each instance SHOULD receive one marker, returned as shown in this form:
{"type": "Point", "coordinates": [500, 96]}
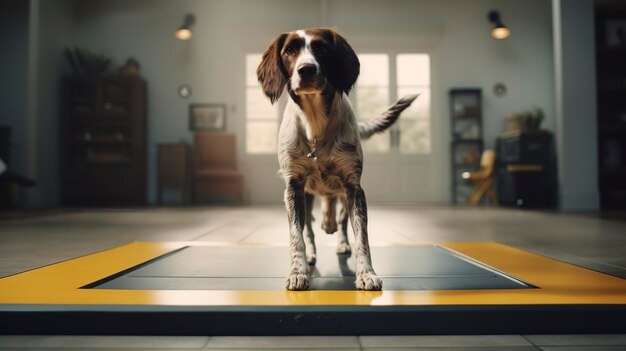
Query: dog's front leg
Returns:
{"type": "Point", "coordinates": [309, 235]}
{"type": "Point", "coordinates": [366, 278]}
{"type": "Point", "coordinates": [294, 202]}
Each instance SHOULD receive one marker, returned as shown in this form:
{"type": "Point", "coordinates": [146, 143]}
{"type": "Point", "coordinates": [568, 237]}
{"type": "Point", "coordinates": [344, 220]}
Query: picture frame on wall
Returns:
{"type": "Point", "coordinates": [207, 117]}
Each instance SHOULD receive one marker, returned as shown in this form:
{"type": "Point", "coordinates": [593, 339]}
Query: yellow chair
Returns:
{"type": "Point", "coordinates": [483, 179]}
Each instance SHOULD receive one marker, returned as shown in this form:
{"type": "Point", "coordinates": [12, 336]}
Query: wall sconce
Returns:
{"type": "Point", "coordinates": [499, 31]}
{"type": "Point", "coordinates": [184, 32]}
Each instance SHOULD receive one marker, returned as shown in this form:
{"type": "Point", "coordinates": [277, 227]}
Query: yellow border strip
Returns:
{"type": "Point", "coordinates": [559, 283]}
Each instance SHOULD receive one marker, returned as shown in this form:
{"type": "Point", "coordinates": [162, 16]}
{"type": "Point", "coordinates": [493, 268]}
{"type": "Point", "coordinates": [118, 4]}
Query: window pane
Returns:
{"type": "Point", "coordinates": [420, 108]}
{"type": "Point", "coordinates": [379, 143]}
{"type": "Point", "coordinates": [252, 62]}
{"type": "Point", "coordinates": [261, 137]}
{"type": "Point", "coordinates": [374, 70]}
{"type": "Point", "coordinates": [415, 136]}
{"type": "Point", "coordinates": [371, 101]}
{"type": "Point", "coordinates": [258, 106]}
{"type": "Point", "coordinates": [413, 69]}
{"type": "Point", "coordinates": [372, 96]}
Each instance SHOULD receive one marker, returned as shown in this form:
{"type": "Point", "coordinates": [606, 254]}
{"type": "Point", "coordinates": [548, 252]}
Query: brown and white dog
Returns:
{"type": "Point", "coordinates": [319, 147]}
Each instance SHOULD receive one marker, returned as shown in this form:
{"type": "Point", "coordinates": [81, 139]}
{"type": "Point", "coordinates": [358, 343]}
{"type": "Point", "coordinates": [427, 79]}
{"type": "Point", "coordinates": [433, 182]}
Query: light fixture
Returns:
{"type": "Point", "coordinates": [184, 32]}
{"type": "Point", "coordinates": [499, 31]}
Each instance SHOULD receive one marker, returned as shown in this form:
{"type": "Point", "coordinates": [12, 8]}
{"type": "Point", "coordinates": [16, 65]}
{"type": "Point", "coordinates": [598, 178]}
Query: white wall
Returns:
{"type": "Point", "coordinates": [213, 61]}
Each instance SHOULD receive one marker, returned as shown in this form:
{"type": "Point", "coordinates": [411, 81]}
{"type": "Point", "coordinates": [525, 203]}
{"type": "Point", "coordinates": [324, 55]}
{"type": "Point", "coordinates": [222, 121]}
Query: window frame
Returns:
{"type": "Point", "coordinates": [393, 88]}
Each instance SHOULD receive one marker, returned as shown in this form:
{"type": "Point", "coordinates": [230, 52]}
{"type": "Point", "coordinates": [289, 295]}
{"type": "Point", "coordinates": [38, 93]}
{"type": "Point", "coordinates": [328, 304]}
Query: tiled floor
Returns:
{"type": "Point", "coordinates": [579, 239]}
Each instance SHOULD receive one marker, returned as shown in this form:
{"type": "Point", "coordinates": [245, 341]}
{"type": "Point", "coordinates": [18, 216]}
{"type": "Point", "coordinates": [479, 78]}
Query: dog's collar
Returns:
{"type": "Point", "coordinates": [313, 146]}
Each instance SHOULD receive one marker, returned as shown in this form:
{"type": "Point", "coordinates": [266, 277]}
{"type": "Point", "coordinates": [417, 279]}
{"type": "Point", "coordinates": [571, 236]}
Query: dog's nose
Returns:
{"type": "Point", "coordinates": [307, 71]}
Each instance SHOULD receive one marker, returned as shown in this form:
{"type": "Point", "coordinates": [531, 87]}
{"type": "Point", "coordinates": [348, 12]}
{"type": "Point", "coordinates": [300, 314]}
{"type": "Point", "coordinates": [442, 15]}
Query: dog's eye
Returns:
{"type": "Point", "coordinates": [289, 50]}
{"type": "Point", "coordinates": [320, 47]}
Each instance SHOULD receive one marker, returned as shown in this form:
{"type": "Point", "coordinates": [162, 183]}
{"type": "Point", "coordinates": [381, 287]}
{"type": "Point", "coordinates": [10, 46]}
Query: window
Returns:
{"type": "Point", "coordinates": [413, 77]}
{"type": "Point", "coordinates": [261, 116]}
{"type": "Point", "coordinates": [380, 84]}
{"type": "Point", "coordinates": [371, 96]}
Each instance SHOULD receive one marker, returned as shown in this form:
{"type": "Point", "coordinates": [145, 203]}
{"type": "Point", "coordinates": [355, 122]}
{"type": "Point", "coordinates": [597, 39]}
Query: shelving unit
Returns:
{"type": "Point", "coordinates": [467, 143]}
{"type": "Point", "coordinates": [611, 92]}
{"type": "Point", "coordinates": [103, 141]}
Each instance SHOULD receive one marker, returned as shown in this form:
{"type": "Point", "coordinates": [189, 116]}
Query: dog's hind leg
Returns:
{"type": "Point", "coordinates": [329, 210]}
{"type": "Point", "coordinates": [295, 204]}
{"type": "Point", "coordinates": [309, 236]}
{"type": "Point", "coordinates": [343, 244]}
{"type": "Point", "coordinates": [366, 278]}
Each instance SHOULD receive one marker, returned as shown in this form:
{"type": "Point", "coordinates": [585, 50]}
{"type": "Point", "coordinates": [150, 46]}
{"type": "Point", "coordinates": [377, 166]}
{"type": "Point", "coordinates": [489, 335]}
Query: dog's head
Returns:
{"type": "Point", "coordinates": [308, 61]}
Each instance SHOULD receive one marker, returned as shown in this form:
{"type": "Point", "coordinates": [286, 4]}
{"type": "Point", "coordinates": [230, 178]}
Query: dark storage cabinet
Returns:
{"type": "Point", "coordinates": [103, 141]}
{"type": "Point", "coordinates": [611, 94]}
{"type": "Point", "coordinates": [467, 143]}
{"type": "Point", "coordinates": [526, 169]}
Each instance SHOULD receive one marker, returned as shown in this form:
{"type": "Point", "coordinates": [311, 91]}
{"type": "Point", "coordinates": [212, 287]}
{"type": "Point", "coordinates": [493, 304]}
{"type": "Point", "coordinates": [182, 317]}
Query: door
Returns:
{"type": "Point", "coordinates": [399, 166]}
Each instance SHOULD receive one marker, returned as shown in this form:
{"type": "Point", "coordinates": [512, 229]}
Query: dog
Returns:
{"type": "Point", "coordinates": [319, 149]}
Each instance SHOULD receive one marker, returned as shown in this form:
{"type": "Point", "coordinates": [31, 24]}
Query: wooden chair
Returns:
{"type": "Point", "coordinates": [483, 179]}
{"type": "Point", "coordinates": [215, 167]}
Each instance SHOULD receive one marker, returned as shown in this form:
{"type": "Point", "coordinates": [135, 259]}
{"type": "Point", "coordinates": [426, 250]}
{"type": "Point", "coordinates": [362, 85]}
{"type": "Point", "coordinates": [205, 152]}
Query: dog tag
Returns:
{"type": "Point", "coordinates": [313, 155]}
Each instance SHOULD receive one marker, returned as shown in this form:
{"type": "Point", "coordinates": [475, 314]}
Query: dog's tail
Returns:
{"type": "Point", "coordinates": [386, 119]}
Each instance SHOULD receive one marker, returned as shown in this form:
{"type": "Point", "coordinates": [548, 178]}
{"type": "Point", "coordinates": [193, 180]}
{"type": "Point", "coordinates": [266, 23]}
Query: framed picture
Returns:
{"type": "Point", "coordinates": [207, 117]}
{"type": "Point", "coordinates": [615, 32]}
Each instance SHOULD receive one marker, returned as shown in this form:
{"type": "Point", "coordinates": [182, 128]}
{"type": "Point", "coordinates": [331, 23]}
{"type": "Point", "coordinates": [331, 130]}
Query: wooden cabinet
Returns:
{"type": "Point", "coordinates": [526, 169]}
{"type": "Point", "coordinates": [103, 141]}
{"type": "Point", "coordinates": [467, 140]}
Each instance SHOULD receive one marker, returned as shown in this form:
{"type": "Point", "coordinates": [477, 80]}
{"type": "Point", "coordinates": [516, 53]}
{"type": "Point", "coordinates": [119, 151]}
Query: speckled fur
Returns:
{"type": "Point", "coordinates": [335, 174]}
{"type": "Point", "coordinates": [319, 114]}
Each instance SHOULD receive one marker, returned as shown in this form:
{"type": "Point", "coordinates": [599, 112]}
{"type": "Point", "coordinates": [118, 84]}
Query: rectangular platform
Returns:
{"type": "Point", "coordinates": [191, 288]}
{"type": "Point", "coordinates": [427, 267]}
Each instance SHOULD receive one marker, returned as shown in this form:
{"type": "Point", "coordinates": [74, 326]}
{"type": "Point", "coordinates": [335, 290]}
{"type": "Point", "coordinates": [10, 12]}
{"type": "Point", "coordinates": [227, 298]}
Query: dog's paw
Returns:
{"type": "Point", "coordinates": [368, 281]}
{"type": "Point", "coordinates": [297, 281]}
{"type": "Point", "coordinates": [344, 249]}
{"type": "Point", "coordinates": [311, 259]}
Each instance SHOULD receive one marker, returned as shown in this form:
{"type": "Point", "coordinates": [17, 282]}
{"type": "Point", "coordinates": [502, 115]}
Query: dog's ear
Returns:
{"type": "Point", "coordinates": [346, 65]}
{"type": "Point", "coordinates": [270, 72]}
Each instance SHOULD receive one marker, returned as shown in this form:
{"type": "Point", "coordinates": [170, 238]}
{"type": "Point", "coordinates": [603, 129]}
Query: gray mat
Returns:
{"type": "Point", "coordinates": [265, 268]}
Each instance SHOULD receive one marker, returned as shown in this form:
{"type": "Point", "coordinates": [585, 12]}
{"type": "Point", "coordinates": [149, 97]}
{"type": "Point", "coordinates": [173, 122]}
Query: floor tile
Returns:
{"type": "Point", "coordinates": [86, 342]}
{"type": "Point", "coordinates": [461, 348]}
{"type": "Point", "coordinates": [578, 340]}
{"type": "Point", "coordinates": [443, 341]}
{"type": "Point", "coordinates": [13, 341]}
{"type": "Point", "coordinates": [283, 342]}
{"type": "Point", "coordinates": [584, 348]}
